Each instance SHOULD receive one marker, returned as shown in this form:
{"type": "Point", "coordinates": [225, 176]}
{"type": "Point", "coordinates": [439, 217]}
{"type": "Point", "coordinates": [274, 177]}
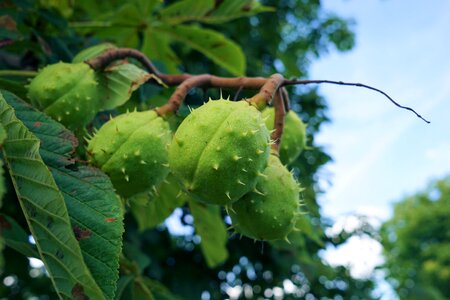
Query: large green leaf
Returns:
{"type": "Point", "coordinates": [44, 209]}
{"type": "Point", "coordinates": [209, 11]}
{"type": "Point", "coordinates": [186, 10]}
{"type": "Point", "coordinates": [151, 210]}
{"type": "Point", "coordinates": [210, 43]}
{"type": "Point", "coordinates": [94, 209]}
{"type": "Point", "coordinates": [233, 9]}
{"type": "Point", "coordinates": [210, 227]}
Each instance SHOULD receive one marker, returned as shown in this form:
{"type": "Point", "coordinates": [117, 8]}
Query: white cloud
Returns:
{"type": "Point", "coordinates": [361, 254]}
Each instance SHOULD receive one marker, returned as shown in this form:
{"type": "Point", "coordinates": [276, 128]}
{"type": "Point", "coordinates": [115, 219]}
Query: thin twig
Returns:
{"type": "Point", "coordinates": [292, 82]}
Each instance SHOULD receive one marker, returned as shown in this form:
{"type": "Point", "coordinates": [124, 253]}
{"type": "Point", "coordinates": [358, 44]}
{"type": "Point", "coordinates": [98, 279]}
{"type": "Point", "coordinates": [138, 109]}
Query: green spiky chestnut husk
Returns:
{"type": "Point", "coordinates": [132, 150]}
{"type": "Point", "coordinates": [66, 92]}
{"type": "Point", "coordinates": [269, 212]}
{"type": "Point", "coordinates": [219, 151]}
{"type": "Point", "coordinates": [294, 134]}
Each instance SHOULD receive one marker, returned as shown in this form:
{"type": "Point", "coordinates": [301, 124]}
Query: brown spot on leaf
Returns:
{"type": "Point", "coordinates": [37, 124]}
{"type": "Point", "coordinates": [78, 293]}
{"type": "Point", "coordinates": [81, 233]}
{"type": "Point", "coordinates": [67, 135]}
{"type": "Point", "coordinates": [110, 220]}
{"type": "Point", "coordinates": [4, 224]}
{"type": "Point", "coordinates": [8, 23]}
{"type": "Point", "coordinates": [217, 45]}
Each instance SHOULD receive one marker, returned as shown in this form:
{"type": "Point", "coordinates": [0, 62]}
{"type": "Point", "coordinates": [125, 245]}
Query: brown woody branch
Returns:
{"type": "Point", "coordinates": [106, 58]}
{"type": "Point", "coordinates": [268, 86]}
{"type": "Point", "coordinates": [207, 80]}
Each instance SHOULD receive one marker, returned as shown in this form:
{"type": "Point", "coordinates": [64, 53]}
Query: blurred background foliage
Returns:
{"type": "Point", "coordinates": [416, 244]}
{"type": "Point", "coordinates": [228, 38]}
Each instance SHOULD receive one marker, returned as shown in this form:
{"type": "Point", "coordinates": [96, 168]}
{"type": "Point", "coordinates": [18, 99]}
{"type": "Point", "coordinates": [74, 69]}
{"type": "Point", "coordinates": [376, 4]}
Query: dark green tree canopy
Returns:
{"type": "Point", "coordinates": [228, 38]}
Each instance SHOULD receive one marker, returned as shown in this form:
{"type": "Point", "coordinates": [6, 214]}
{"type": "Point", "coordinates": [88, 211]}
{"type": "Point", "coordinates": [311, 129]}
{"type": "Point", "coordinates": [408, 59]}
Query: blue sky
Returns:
{"type": "Point", "coordinates": [381, 153]}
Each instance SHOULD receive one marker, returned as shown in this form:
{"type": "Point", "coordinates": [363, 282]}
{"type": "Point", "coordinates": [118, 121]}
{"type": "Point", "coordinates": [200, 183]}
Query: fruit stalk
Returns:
{"type": "Point", "coordinates": [267, 91]}
{"type": "Point", "coordinates": [207, 80]}
{"type": "Point", "coordinates": [280, 114]}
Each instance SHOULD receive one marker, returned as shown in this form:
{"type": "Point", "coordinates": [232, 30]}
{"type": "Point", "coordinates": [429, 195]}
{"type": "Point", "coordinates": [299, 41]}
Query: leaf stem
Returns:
{"type": "Point", "coordinates": [20, 73]}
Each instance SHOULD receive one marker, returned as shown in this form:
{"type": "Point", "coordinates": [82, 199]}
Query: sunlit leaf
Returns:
{"type": "Point", "coordinates": [92, 52]}
{"type": "Point", "coordinates": [209, 11]}
{"type": "Point", "coordinates": [186, 10]}
{"type": "Point", "coordinates": [210, 43]}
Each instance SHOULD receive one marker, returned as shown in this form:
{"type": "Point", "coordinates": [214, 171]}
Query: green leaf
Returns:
{"type": "Point", "coordinates": [95, 211]}
{"type": "Point", "coordinates": [44, 209]}
{"type": "Point", "coordinates": [15, 237]}
{"type": "Point", "coordinates": [208, 11]}
{"type": "Point", "coordinates": [233, 9]}
{"type": "Point", "coordinates": [304, 224]}
{"type": "Point", "coordinates": [118, 82]}
{"type": "Point", "coordinates": [92, 52]}
{"type": "Point", "coordinates": [186, 10]}
{"type": "Point", "coordinates": [141, 291]}
{"type": "Point", "coordinates": [16, 87]}
{"type": "Point", "coordinates": [159, 291]}
{"type": "Point", "coordinates": [210, 43]}
{"type": "Point", "coordinates": [151, 210]}
{"type": "Point", "coordinates": [134, 256]}
{"type": "Point", "coordinates": [210, 227]}
{"type": "Point", "coordinates": [122, 286]}
{"type": "Point", "coordinates": [64, 7]}
{"type": "Point", "coordinates": [2, 181]}
{"type": "Point", "coordinates": [156, 46]}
